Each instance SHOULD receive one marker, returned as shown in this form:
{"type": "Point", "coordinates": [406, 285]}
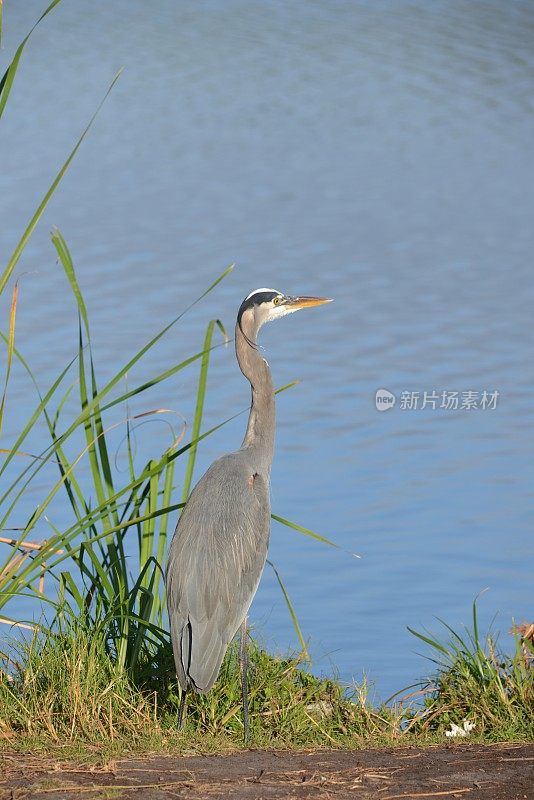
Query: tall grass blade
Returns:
{"type": "Point", "coordinates": [476, 635]}
{"type": "Point", "coordinates": [88, 424]}
{"type": "Point", "coordinates": [68, 265]}
{"type": "Point", "coordinates": [201, 394]}
{"type": "Point", "coordinates": [10, 346]}
{"type": "Point", "coordinates": [459, 645]}
{"type": "Point", "coordinates": [71, 485]}
{"type": "Point", "coordinates": [6, 83]}
{"type": "Point", "coordinates": [301, 529]}
{"type": "Point", "coordinates": [304, 649]}
{"type": "Point", "coordinates": [55, 183]}
{"type": "Point", "coordinates": [101, 472]}
{"type": "Point", "coordinates": [43, 402]}
{"type": "Point", "coordinates": [432, 642]}
{"type": "Point", "coordinates": [163, 534]}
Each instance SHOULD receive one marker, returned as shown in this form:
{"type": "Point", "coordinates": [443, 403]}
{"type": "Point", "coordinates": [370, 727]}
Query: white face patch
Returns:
{"type": "Point", "coordinates": [275, 312]}
{"type": "Point", "coordinates": [259, 291]}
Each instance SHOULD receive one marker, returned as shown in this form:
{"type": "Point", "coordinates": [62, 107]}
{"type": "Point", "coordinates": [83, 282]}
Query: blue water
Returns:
{"type": "Point", "coordinates": [377, 153]}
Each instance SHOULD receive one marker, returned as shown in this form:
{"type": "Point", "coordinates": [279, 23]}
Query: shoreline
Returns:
{"type": "Point", "coordinates": [480, 772]}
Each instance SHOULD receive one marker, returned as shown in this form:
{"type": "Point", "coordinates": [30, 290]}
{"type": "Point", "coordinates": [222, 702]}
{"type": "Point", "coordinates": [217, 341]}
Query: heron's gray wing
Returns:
{"type": "Point", "coordinates": [215, 563]}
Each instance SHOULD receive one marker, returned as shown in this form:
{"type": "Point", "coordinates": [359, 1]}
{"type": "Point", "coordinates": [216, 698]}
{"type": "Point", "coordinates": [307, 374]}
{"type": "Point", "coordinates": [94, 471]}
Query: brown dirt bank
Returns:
{"type": "Point", "coordinates": [476, 772]}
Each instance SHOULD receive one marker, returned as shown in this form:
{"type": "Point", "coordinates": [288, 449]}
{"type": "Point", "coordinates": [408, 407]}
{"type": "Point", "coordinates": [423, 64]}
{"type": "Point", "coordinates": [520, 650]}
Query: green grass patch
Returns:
{"type": "Point", "coordinates": [477, 682]}
{"type": "Point", "coordinates": [64, 690]}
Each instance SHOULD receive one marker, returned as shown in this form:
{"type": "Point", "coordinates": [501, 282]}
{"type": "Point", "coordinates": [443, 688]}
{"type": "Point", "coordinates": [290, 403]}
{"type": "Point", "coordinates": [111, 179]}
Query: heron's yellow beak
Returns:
{"type": "Point", "coordinates": [305, 302]}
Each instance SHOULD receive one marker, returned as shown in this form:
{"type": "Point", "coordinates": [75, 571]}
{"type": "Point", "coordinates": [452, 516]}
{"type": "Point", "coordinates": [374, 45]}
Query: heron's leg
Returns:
{"type": "Point", "coordinates": [243, 669]}
{"type": "Point", "coordinates": [181, 710]}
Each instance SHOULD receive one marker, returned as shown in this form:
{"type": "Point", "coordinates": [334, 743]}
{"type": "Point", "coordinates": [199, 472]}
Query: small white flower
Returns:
{"type": "Point", "coordinates": [461, 730]}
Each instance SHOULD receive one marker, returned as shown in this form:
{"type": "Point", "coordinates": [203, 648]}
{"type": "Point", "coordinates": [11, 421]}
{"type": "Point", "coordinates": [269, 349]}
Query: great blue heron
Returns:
{"type": "Point", "coordinates": [220, 544]}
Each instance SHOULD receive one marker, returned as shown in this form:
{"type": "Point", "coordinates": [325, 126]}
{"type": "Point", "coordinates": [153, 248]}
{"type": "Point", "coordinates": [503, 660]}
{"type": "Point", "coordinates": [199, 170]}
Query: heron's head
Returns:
{"type": "Point", "coordinates": [266, 305]}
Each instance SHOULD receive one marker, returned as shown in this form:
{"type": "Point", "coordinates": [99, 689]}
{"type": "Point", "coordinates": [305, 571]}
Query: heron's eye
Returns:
{"type": "Point", "coordinates": [276, 301]}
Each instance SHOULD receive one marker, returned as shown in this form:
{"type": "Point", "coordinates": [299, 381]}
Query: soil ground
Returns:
{"type": "Point", "coordinates": [477, 772]}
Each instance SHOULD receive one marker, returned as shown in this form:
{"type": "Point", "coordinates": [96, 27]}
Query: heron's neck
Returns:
{"type": "Point", "coordinates": [259, 438]}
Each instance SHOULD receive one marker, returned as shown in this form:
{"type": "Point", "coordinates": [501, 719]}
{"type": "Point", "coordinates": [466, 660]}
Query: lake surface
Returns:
{"type": "Point", "coordinates": [377, 153]}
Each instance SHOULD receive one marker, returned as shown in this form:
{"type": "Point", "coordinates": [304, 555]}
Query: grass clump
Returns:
{"type": "Point", "coordinates": [477, 682]}
{"type": "Point", "coordinates": [65, 688]}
